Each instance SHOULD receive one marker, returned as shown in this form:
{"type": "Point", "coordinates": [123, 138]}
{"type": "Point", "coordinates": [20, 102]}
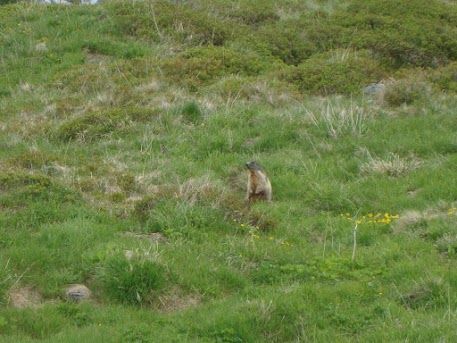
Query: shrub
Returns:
{"type": "Point", "coordinates": [202, 66]}
{"type": "Point", "coordinates": [287, 41]}
{"type": "Point", "coordinates": [113, 48]}
{"type": "Point", "coordinates": [336, 72]}
{"type": "Point", "coordinates": [445, 78]}
{"type": "Point", "coordinates": [405, 92]}
{"type": "Point", "coordinates": [10, 181]}
{"type": "Point", "coordinates": [406, 33]}
{"type": "Point", "coordinates": [180, 22]}
{"type": "Point", "coordinates": [35, 160]}
{"type": "Point", "coordinates": [93, 125]}
{"type": "Point", "coordinates": [16, 187]}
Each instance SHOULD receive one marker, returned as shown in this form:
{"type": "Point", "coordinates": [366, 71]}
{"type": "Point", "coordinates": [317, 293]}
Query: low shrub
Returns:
{"type": "Point", "coordinates": [111, 47]}
{"type": "Point", "coordinates": [93, 125]}
{"type": "Point", "coordinates": [14, 181]}
{"type": "Point", "coordinates": [445, 77]}
{"type": "Point", "coordinates": [254, 13]}
{"type": "Point", "coordinates": [406, 91]}
{"type": "Point", "coordinates": [202, 66]}
{"type": "Point", "coordinates": [340, 71]}
{"type": "Point", "coordinates": [416, 33]}
{"type": "Point", "coordinates": [286, 40]}
{"type": "Point", "coordinates": [33, 160]}
{"type": "Point", "coordinates": [179, 22]}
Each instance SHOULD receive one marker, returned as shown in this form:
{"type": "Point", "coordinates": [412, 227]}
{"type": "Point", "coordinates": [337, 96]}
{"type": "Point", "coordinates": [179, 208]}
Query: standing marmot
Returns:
{"type": "Point", "coordinates": [259, 186]}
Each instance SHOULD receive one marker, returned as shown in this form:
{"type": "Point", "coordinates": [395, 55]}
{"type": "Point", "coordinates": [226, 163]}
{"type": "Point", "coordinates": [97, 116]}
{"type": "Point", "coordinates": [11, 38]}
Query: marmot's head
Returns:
{"type": "Point", "coordinates": [253, 165]}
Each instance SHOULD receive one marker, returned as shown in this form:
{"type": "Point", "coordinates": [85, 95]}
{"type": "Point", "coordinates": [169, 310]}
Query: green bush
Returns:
{"type": "Point", "coordinates": [253, 13]}
{"type": "Point", "coordinates": [204, 65]}
{"type": "Point", "coordinates": [93, 125]}
{"type": "Point", "coordinates": [415, 33]}
{"type": "Point", "coordinates": [15, 181]}
{"type": "Point", "coordinates": [286, 40]}
{"type": "Point", "coordinates": [445, 77]}
{"type": "Point", "coordinates": [111, 47]}
{"type": "Point", "coordinates": [179, 22]}
{"type": "Point", "coordinates": [406, 92]}
{"type": "Point", "coordinates": [340, 71]}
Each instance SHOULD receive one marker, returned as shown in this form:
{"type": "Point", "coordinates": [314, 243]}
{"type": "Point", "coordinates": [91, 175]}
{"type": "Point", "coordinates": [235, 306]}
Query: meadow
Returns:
{"type": "Point", "coordinates": [124, 132]}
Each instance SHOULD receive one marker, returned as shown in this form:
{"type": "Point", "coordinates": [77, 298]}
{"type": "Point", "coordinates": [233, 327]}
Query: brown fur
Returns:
{"type": "Point", "coordinates": [259, 186]}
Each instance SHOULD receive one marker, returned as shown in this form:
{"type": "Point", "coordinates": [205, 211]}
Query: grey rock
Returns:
{"type": "Point", "coordinates": [77, 293]}
{"type": "Point", "coordinates": [374, 88]}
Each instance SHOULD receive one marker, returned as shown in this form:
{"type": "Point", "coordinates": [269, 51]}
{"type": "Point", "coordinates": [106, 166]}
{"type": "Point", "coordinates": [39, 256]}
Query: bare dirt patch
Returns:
{"type": "Point", "coordinates": [24, 296]}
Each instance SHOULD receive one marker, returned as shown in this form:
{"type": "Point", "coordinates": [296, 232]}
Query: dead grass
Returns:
{"type": "Point", "coordinates": [413, 218]}
{"type": "Point", "coordinates": [174, 300]}
{"type": "Point", "coordinates": [198, 189]}
{"type": "Point", "coordinates": [338, 116]}
{"type": "Point", "coordinates": [393, 165]}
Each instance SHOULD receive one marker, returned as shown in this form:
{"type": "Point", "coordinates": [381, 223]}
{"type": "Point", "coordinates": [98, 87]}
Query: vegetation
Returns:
{"type": "Point", "coordinates": [124, 130]}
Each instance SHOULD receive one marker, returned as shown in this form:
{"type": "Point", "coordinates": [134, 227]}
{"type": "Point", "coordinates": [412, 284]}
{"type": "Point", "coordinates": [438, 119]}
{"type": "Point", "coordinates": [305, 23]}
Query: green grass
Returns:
{"type": "Point", "coordinates": [124, 130]}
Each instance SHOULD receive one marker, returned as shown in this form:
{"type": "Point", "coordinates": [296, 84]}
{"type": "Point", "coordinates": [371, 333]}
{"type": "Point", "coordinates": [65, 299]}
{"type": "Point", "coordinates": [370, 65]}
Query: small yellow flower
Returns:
{"type": "Point", "coordinates": [241, 225]}
{"type": "Point", "coordinates": [370, 215]}
{"type": "Point", "coordinates": [270, 238]}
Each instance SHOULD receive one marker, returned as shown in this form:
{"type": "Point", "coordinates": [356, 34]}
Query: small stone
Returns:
{"type": "Point", "coordinates": [374, 89]}
{"type": "Point", "coordinates": [77, 293]}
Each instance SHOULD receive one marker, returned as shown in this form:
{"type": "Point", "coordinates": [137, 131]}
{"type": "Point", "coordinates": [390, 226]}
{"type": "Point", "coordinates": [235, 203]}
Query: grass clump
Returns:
{"type": "Point", "coordinates": [191, 112]}
{"type": "Point", "coordinates": [132, 282]}
{"type": "Point", "coordinates": [392, 166]}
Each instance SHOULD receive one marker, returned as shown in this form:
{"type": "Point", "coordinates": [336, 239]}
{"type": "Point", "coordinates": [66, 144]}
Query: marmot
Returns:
{"type": "Point", "coordinates": [259, 186]}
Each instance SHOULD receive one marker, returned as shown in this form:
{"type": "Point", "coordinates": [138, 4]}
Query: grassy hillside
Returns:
{"type": "Point", "coordinates": [124, 130]}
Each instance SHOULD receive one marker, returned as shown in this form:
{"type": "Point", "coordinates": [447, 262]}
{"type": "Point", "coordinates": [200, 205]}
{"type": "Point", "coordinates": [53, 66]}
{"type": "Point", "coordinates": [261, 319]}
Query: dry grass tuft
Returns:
{"type": "Point", "coordinates": [339, 117]}
{"type": "Point", "coordinates": [393, 165]}
{"type": "Point", "coordinates": [201, 189]}
{"type": "Point", "coordinates": [174, 300]}
{"type": "Point", "coordinates": [408, 219]}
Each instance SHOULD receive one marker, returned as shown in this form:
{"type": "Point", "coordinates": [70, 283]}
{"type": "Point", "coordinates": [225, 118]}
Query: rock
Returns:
{"type": "Point", "coordinates": [77, 293]}
{"type": "Point", "coordinates": [374, 88]}
{"type": "Point", "coordinates": [154, 237]}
